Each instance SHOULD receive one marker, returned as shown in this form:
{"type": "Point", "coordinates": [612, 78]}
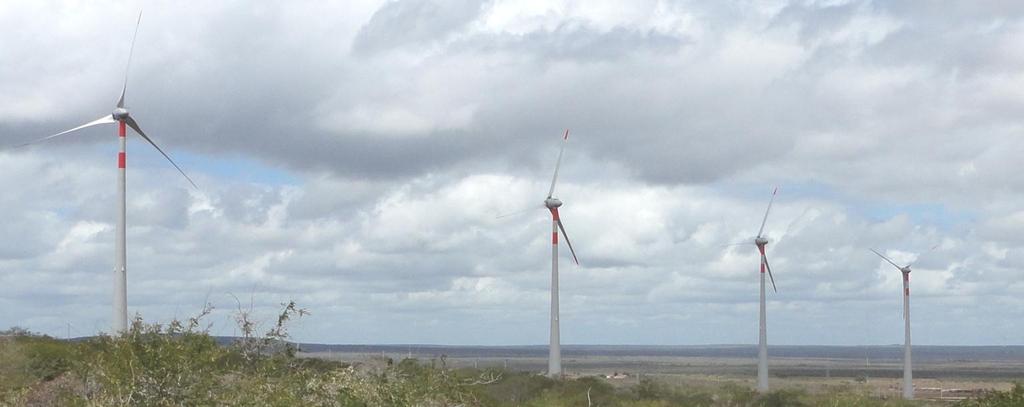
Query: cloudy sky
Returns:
{"type": "Point", "coordinates": [354, 157]}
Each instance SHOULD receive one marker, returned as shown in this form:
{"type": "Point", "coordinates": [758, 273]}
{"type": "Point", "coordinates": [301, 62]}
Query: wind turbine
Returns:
{"type": "Point", "coordinates": [908, 379]}
{"type": "Point", "coordinates": [552, 203]}
{"type": "Point", "coordinates": [762, 340]}
{"type": "Point", "coordinates": [123, 119]}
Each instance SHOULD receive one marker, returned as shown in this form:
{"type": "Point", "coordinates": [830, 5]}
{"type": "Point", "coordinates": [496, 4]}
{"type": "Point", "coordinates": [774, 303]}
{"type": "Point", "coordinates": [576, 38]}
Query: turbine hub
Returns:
{"type": "Point", "coordinates": [552, 203]}
{"type": "Point", "coordinates": [905, 270]}
{"type": "Point", "coordinates": [760, 240]}
{"type": "Point", "coordinates": [120, 113]}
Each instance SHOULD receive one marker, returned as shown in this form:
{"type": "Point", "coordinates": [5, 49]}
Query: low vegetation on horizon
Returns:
{"type": "Point", "coordinates": [180, 364]}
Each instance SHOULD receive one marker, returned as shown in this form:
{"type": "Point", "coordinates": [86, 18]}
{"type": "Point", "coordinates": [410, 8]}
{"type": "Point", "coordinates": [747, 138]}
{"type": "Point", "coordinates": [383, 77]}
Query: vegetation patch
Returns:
{"type": "Point", "coordinates": [180, 364]}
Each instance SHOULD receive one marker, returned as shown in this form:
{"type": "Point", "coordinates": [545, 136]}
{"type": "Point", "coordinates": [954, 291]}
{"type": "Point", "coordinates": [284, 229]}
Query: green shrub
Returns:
{"type": "Point", "coordinates": [180, 364]}
{"type": "Point", "coordinates": [516, 388]}
{"type": "Point", "coordinates": [27, 359]}
{"type": "Point", "coordinates": [151, 364]}
{"type": "Point", "coordinates": [783, 398]}
{"type": "Point", "coordinates": [1012, 398]}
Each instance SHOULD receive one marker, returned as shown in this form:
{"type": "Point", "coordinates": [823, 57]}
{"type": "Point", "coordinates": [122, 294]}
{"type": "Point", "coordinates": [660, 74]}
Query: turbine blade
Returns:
{"type": "Point", "coordinates": [521, 211]}
{"type": "Point", "coordinates": [567, 242]}
{"type": "Point", "coordinates": [761, 230]}
{"type": "Point", "coordinates": [887, 259]}
{"type": "Point", "coordinates": [764, 259]}
{"type": "Point", "coordinates": [120, 100]}
{"type": "Point", "coordinates": [922, 254]}
{"type": "Point", "coordinates": [103, 120]}
{"type": "Point", "coordinates": [792, 223]}
{"type": "Point", "coordinates": [135, 126]}
{"type": "Point", "coordinates": [565, 139]}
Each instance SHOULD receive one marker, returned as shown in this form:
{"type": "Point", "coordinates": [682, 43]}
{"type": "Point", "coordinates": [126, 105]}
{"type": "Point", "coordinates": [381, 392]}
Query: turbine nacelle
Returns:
{"type": "Point", "coordinates": [552, 203]}
{"type": "Point", "coordinates": [120, 114]}
{"type": "Point", "coordinates": [760, 241]}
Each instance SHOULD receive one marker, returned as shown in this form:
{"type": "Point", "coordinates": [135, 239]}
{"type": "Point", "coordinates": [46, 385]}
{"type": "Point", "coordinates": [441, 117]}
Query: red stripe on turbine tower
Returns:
{"type": "Point", "coordinates": [554, 238]}
{"type": "Point", "coordinates": [761, 249]}
{"type": "Point", "coordinates": [120, 160]}
{"type": "Point", "coordinates": [121, 128]}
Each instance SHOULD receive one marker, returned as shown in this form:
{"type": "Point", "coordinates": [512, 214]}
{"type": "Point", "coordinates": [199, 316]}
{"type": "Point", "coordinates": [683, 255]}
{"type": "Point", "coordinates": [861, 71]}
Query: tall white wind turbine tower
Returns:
{"type": "Point", "coordinates": [762, 340]}
{"type": "Point", "coordinates": [908, 374]}
{"type": "Point", "coordinates": [123, 119]}
{"type": "Point", "coordinates": [552, 203]}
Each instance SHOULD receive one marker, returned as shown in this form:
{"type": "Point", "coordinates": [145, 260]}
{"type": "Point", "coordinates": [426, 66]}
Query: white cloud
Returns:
{"type": "Point", "coordinates": [405, 128]}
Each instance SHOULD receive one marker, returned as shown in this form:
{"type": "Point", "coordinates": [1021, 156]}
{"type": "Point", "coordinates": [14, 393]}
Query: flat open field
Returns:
{"type": "Point", "coordinates": [940, 372]}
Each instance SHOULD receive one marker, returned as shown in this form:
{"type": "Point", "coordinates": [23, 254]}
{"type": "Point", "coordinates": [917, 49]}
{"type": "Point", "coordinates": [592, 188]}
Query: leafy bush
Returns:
{"type": "Point", "coordinates": [1012, 398]}
{"type": "Point", "coordinates": [649, 389]}
{"type": "Point", "coordinates": [27, 359]}
{"type": "Point", "coordinates": [180, 364]}
{"type": "Point", "coordinates": [783, 398]}
{"type": "Point", "coordinates": [152, 365]}
{"type": "Point", "coordinates": [516, 389]}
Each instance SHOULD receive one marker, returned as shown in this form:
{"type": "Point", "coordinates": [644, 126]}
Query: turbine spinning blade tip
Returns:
{"type": "Point", "coordinates": [769, 268]}
{"type": "Point", "coordinates": [558, 163]}
{"type": "Point", "coordinates": [765, 220]}
{"type": "Point", "coordinates": [932, 249]}
{"type": "Point", "coordinates": [131, 49]}
{"type": "Point", "coordinates": [102, 120]}
{"type": "Point", "coordinates": [135, 126]}
{"type": "Point", "coordinates": [887, 259]}
{"type": "Point", "coordinates": [521, 211]}
{"type": "Point", "coordinates": [567, 242]}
